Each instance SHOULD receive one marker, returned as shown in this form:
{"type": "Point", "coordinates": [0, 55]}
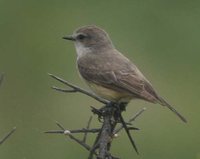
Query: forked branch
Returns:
{"type": "Point", "coordinates": [110, 114]}
{"type": "Point", "coordinates": [75, 89]}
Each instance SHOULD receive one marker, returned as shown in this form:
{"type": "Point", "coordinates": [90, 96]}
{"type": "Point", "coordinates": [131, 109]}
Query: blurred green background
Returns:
{"type": "Point", "coordinates": [161, 37]}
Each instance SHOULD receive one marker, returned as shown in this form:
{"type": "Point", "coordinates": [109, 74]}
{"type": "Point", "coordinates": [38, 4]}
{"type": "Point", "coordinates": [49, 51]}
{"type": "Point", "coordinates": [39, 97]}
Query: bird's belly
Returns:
{"type": "Point", "coordinates": [110, 94]}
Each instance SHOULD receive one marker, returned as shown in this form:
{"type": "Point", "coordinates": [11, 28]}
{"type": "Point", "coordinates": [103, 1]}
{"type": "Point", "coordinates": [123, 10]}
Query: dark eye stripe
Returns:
{"type": "Point", "coordinates": [81, 36]}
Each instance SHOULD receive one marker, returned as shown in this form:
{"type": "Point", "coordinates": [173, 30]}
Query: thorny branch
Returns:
{"type": "Point", "coordinates": [70, 134]}
{"type": "Point", "coordinates": [110, 115]}
{"type": "Point", "coordinates": [130, 120]}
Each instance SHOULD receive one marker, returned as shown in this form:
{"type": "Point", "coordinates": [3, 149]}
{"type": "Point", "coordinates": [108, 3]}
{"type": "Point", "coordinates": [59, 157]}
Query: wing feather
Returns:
{"type": "Point", "coordinates": [116, 72]}
{"type": "Point", "coordinates": [129, 82]}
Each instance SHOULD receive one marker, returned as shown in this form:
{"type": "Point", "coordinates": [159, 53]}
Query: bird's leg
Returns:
{"type": "Point", "coordinates": [110, 107]}
{"type": "Point", "coordinates": [122, 106]}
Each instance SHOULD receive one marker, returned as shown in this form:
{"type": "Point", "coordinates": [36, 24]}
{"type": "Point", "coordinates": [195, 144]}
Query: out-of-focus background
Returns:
{"type": "Point", "coordinates": [161, 37]}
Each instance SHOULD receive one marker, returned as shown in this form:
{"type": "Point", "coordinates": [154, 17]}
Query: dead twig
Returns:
{"type": "Point", "coordinates": [75, 89]}
{"type": "Point", "coordinates": [110, 115]}
{"type": "Point", "coordinates": [87, 127]}
{"type": "Point", "coordinates": [7, 135]}
{"type": "Point", "coordinates": [129, 121]}
{"type": "Point", "coordinates": [70, 132]}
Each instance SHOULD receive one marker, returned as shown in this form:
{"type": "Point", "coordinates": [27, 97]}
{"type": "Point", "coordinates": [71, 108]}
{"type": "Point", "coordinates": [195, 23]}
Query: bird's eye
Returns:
{"type": "Point", "coordinates": [81, 37]}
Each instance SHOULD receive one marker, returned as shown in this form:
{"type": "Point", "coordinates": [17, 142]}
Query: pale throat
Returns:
{"type": "Point", "coordinates": [82, 50]}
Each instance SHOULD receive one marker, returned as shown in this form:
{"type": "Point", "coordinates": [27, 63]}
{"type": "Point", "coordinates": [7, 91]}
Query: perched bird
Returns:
{"type": "Point", "coordinates": [109, 73]}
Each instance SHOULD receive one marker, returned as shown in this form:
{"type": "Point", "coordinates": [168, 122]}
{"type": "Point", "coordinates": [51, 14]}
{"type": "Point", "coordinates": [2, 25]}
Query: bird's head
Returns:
{"type": "Point", "coordinates": [90, 37]}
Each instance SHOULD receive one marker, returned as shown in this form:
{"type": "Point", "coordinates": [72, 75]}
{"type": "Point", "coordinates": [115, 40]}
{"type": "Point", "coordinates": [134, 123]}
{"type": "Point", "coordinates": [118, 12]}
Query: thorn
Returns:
{"type": "Point", "coordinates": [60, 126]}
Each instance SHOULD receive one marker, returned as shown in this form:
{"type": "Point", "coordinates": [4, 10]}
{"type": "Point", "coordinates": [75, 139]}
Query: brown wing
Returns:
{"type": "Point", "coordinates": [138, 85]}
{"type": "Point", "coordinates": [119, 74]}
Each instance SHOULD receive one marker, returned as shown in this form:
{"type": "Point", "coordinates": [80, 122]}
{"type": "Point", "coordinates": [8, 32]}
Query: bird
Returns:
{"type": "Point", "coordinates": [108, 73]}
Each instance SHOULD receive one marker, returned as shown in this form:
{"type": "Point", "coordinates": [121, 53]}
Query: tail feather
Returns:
{"type": "Point", "coordinates": [164, 103]}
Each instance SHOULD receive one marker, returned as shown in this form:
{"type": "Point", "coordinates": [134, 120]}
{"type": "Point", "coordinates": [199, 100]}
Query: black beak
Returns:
{"type": "Point", "coordinates": [70, 37]}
